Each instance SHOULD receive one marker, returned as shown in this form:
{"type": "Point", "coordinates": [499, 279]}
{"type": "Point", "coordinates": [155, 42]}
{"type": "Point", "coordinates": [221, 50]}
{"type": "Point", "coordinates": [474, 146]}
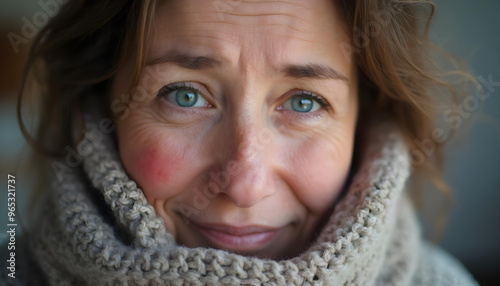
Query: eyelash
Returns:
{"type": "Point", "coordinates": [165, 90]}
{"type": "Point", "coordinates": [317, 98]}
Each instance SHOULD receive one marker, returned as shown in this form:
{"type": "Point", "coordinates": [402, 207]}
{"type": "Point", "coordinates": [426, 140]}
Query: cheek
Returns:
{"type": "Point", "coordinates": [323, 174]}
{"type": "Point", "coordinates": [157, 167]}
{"type": "Point", "coordinates": [153, 169]}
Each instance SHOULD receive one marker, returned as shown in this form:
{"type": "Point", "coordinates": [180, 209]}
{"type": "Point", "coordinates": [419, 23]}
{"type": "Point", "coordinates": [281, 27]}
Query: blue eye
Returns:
{"type": "Point", "coordinates": [183, 96]}
{"type": "Point", "coordinates": [304, 103]}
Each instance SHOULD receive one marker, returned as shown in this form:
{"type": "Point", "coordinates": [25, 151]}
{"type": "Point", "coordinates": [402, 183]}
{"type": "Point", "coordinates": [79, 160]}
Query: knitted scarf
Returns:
{"type": "Point", "coordinates": [97, 228]}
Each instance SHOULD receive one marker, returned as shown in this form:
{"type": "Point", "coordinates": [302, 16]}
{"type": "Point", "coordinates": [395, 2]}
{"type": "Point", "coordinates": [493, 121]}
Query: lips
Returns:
{"type": "Point", "coordinates": [238, 238]}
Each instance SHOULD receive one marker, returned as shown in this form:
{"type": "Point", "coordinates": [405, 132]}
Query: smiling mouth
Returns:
{"type": "Point", "coordinates": [238, 239]}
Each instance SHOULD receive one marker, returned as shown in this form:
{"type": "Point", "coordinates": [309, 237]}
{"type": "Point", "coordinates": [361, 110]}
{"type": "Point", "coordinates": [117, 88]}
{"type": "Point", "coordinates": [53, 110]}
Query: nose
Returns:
{"type": "Point", "coordinates": [248, 150]}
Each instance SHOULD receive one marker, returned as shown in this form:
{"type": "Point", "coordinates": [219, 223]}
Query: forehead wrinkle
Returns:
{"type": "Point", "coordinates": [233, 39]}
{"type": "Point", "coordinates": [263, 12]}
{"type": "Point", "coordinates": [264, 61]}
{"type": "Point", "coordinates": [262, 8]}
{"type": "Point", "coordinates": [296, 19]}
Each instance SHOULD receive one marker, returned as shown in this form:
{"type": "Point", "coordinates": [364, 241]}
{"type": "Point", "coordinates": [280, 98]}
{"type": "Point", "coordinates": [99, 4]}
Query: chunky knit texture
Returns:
{"type": "Point", "coordinates": [371, 238]}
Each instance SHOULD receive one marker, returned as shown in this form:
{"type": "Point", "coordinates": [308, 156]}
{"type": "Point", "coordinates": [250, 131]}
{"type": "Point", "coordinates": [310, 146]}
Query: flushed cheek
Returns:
{"type": "Point", "coordinates": [154, 169]}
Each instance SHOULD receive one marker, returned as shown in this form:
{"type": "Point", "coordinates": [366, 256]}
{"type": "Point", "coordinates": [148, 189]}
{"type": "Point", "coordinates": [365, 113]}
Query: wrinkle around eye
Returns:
{"type": "Point", "coordinates": [143, 125]}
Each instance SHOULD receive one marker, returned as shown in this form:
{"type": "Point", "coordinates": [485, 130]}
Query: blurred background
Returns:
{"type": "Point", "coordinates": [468, 29]}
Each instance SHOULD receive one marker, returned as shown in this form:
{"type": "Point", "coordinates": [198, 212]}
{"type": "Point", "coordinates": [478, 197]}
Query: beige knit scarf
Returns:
{"type": "Point", "coordinates": [371, 237]}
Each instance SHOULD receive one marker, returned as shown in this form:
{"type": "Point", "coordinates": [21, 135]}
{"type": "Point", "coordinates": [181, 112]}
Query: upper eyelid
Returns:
{"type": "Point", "coordinates": [317, 97]}
{"type": "Point", "coordinates": [178, 85]}
{"type": "Point", "coordinates": [203, 91]}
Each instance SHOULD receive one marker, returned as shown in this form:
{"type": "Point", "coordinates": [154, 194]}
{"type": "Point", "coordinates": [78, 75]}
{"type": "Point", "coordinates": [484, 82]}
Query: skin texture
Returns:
{"type": "Point", "coordinates": [243, 157]}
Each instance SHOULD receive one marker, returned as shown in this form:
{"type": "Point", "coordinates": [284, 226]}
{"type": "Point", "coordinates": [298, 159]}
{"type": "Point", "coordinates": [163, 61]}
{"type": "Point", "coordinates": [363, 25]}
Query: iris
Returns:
{"type": "Point", "coordinates": [186, 97]}
{"type": "Point", "coordinates": [183, 96]}
{"type": "Point", "coordinates": [302, 104]}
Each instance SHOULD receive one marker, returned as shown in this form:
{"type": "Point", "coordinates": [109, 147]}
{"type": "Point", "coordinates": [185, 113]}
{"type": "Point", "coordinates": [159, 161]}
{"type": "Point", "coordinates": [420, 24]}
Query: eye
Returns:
{"type": "Point", "coordinates": [183, 95]}
{"type": "Point", "coordinates": [305, 102]}
{"type": "Point", "coordinates": [186, 98]}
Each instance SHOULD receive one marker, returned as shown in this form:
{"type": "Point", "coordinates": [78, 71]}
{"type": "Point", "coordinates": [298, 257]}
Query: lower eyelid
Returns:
{"type": "Point", "coordinates": [303, 116]}
{"type": "Point", "coordinates": [173, 111]}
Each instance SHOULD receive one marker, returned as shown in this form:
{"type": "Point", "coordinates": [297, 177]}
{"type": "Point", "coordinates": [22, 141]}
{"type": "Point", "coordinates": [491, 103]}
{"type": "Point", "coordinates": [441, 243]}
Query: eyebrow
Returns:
{"type": "Point", "coordinates": [188, 61]}
{"type": "Point", "coordinates": [312, 71]}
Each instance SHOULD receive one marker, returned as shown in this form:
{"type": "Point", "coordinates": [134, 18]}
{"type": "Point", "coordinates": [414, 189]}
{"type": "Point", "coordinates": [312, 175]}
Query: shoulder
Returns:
{"type": "Point", "coordinates": [436, 267]}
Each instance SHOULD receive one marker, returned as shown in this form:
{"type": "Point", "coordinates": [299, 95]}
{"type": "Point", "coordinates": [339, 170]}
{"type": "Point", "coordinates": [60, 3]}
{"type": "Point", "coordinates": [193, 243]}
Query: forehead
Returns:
{"type": "Point", "coordinates": [252, 31]}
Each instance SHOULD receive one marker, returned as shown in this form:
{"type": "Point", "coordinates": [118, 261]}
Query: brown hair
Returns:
{"type": "Point", "coordinates": [79, 51]}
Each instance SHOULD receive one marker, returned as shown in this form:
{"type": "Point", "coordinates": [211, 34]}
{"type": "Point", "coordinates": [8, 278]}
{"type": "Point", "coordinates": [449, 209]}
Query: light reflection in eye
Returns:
{"type": "Point", "coordinates": [183, 95]}
{"type": "Point", "coordinates": [305, 102]}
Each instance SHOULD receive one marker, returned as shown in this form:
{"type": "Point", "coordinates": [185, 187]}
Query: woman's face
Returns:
{"type": "Point", "coordinates": [241, 130]}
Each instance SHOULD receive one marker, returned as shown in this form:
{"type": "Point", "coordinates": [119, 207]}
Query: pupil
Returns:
{"type": "Point", "coordinates": [302, 104]}
{"type": "Point", "coordinates": [186, 98]}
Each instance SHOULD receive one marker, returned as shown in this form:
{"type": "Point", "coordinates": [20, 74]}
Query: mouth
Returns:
{"type": "Point", "coordinates": [238, 238]}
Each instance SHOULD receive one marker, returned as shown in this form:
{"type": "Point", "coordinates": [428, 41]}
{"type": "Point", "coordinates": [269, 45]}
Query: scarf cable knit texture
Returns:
{"type": "Point", "coordinates": [371, 238]}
